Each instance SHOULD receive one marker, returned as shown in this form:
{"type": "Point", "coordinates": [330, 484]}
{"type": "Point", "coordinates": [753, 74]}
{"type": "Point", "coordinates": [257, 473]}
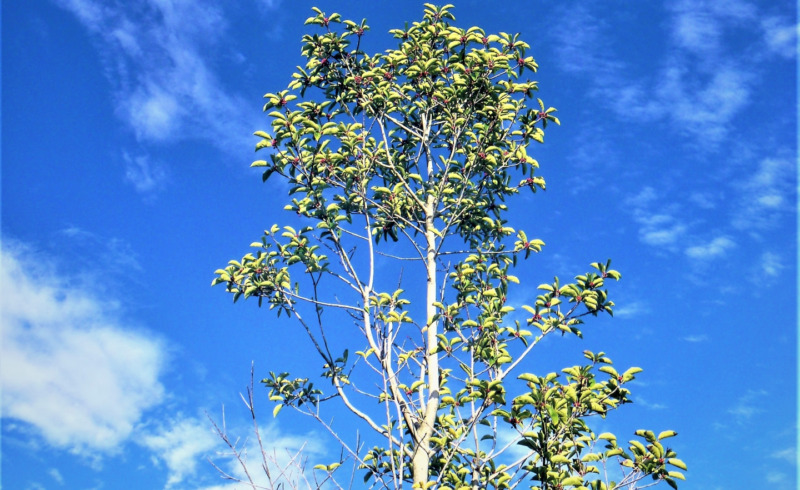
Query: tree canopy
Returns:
{"type": "Point", "coordinates": [400, 168]}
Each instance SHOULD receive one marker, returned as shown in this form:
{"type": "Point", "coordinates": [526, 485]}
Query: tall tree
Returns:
{"type": "Point", "coordinates": [399, 167]}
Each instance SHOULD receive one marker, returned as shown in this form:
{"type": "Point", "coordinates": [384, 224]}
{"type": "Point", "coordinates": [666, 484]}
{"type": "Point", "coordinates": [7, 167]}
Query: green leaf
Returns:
{"type": "Point", "coordinates": [608, 370]}
{"type": "Point", "coordinates": [667, 433]}
{"type": "Point", "coordinates": [607, 436]}
{"type": "Point", "coordinates": [573, 481]}
{"type": "Point", "coordinates": [677, 463]}
{"type": "Point", "coordinates": [631, 372]}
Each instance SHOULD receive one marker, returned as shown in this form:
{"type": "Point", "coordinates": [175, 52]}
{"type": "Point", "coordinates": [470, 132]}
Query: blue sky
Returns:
{"type": "Point", "coordinates": [126, 142]}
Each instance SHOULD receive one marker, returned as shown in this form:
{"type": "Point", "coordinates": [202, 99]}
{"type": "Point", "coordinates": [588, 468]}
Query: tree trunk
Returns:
{"type": "Point", "coordinates": [422, 450]}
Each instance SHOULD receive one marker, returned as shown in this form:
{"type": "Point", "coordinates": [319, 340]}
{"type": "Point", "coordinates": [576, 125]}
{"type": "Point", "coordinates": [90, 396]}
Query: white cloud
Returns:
{"type": "Point", "coordinates": [765, 194]}
{"type": "Point", "coordinates": [780, 35]}
{"type": "Point", "coordinates": [771, 264]}
{"type": "Point", "coordinates": [696, 338]}
{"type": "Point", "coordinates": [789, 455]}
{"type": "Point", "coordinates": [93, 251]}
{"type": "Point", "coordinates": [165, 88]}
{"type": "Point", "coordinates": [269, 4]}
{"type": "Point", "coordinates": [658, 229]}
{"type": "Point", "coordinates": [145, 175]}
{"type": "Point", "coordinates": [631, 310]}
{"type": "Point", "coordinates": [70, 368]}
{"type": "Point", "coordinates": [56, 475]}
{"type": "Point", "coordinates": [696, 29]}
{"type": "Point", "coordinates": [698, 26]}
{"type": "Point", "coordinates": [643, 199]}
{"type": "Point", "coordinates": [181, 445]}
{"type": "Point", "coordinates": [153, 112]}
{"type": "Point", "coordinates": [704, 200]}
{"type": "Point", "coordinates": [662, 236]}
{"type": "Point", "coordinates": [700, 87]}
{"type": "Point", "coordinates": [713, 249]}
{"type": "Point", "coordinates": [651, 406]}
{"type": "Point", "coordinates": [776, 478]}
{"type": "Point", "coordinates": [748, 405]}
{"type": "Point", "coordinates": [708, 102]}
{"type": "Point", "coordinates": [87, 11]}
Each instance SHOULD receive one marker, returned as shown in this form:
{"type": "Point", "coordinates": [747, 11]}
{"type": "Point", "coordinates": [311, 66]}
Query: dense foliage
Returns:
{"type": "Point", "coordinates": [409, 158]}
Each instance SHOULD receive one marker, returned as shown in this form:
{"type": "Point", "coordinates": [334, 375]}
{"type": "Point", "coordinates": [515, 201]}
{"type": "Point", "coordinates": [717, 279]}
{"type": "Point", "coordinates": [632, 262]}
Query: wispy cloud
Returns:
{"type": "Point", "coordinates": [704, 199]}
{"type": "Point", "coordinates": [766, 194]}
{"type": "Point", "coordinates": [779, 481]}
{"type": "Point", "coordinates": [109, 254]}
{"type": "Point", "coordinates": [700, 88]}
{"type": "Point", "coordinates": [780, 35]}
{"type": "Point", "coordinates": [146, 175]}
{"type": "Point", "coordinates": [56, 475]}
{"type": "Point", "coordinates": [771, 264]}
{"type": "Point", "coordinates": [643, 199]}
{"type": "Point", "coordinates": [696, 338]}
{"type": "Point", "coordinates": [747, 406]}
{"type": "Point", "coordinates": [157, 57]}
{"type": "Point", "coordinates": [698, 26]}
{"type": "Point", "coordinates": [269, 4]}
{"type": "Point", "coordinates": [659, 229]}
{"type": "Point", "coordinates": [788, 455]}
{"type": "Point", "coordinates": [649, 405]}
{"type": "Point", "coordinates": [181, 445]}
{"type": "Point", "coordinates": [71, 369]}
{"type": "Point", "coordinates": [717, 247]}
{"type": "Point", "coordinates": [631, 310]}
{"type": "Point", "coordinates": [707, 103]}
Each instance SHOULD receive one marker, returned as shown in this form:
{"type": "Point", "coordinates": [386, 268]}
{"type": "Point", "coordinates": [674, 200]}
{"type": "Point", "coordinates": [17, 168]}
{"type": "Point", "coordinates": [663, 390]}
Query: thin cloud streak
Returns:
{"type": "Point", "coordinates": [700, 88]}
{"type": "Point", "coordinates": [146, 175]}
{"type": "Point", "coordinates": [747, 406]}
{"type": "Point", "coordinates": [765, 195]}
{"type": "Point", "coordinates": [631, 310]}
{"type": "Point", "coordinates": [771, 264]}
{"type": "Point", "coordinates": [781, 36]}
{"type": "Point", "coordinates": [165, 89]}
{"type": "Point", "coordinates": [696, 338]}
{"type": "Point", "coordinates": [717, 247]}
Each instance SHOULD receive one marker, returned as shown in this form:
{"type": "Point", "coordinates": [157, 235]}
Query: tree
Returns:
{"type": "Point", "coordinates": [407, 158]}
